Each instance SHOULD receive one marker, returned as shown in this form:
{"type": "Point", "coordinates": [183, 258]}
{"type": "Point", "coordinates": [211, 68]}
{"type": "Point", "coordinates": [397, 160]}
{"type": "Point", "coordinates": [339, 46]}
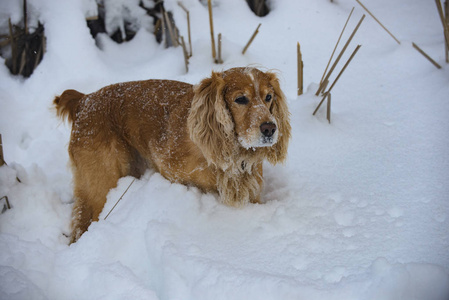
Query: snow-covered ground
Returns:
{"type": "Point", "coordinates": [359, 211]}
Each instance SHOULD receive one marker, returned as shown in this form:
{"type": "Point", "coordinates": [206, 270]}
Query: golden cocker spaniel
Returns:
{"type": "Point", "coordinates": [214, 135]}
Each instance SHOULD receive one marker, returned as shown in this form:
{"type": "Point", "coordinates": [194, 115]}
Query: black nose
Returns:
{"type": "Point", "coordinates": [268, 129]}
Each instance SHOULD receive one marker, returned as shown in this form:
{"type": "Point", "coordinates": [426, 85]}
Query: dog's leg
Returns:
{"type": "Point", "coordinates": [258, 174]}
{"type": "Point", "coordinates": [95, 173]}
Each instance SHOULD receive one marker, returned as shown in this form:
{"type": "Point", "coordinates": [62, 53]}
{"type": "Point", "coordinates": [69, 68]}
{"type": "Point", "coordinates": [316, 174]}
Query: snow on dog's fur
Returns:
{"type": "Point", "coordinates": [214, 136]}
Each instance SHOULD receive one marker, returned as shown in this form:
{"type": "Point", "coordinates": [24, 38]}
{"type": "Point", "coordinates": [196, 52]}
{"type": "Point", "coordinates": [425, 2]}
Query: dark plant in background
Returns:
{"type": "Point", "coordinates": [23, 47]}
{"type": "Point", "coordinates": [259, 7]}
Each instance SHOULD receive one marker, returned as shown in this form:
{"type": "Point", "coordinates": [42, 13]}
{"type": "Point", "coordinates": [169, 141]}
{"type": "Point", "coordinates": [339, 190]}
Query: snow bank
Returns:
{"type": "Point", "coordinates": [359, 211]}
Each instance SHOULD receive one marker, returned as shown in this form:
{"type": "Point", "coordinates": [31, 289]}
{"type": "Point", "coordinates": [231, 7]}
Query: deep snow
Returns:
{"type": "Point", "coordinates": [359, 211]}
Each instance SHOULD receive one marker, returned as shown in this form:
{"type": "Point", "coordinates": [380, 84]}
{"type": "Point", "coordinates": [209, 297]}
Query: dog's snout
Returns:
{"type": "Point", "coordinates": [268, 129]}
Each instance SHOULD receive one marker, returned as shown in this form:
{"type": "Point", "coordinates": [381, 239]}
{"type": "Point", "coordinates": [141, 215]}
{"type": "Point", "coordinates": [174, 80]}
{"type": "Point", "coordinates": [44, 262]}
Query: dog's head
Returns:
{"type": "Point", "coordinates": [239, 110]}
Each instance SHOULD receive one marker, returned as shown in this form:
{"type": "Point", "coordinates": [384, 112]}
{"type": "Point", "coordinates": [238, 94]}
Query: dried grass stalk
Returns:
{"type": "Point", "coordinates": [186, 55]}
{"type": "Point", "coordinates": [444, 22]}
{"type": "Point", "coordinates": [251, 39]}
{"type": "Point", "coordinates": [120, 198]}
{"type": "Point", "coordinates": [219, 59]}
{"type": "Point", "coordinates": [335, 48]}
{"type": "Point", "coordinates": [378, 22]}
{"type": "Point", "coordinates": [2, 158]}
{"type": "Point", "coordinates": [188, 27]}
{"type": "Point", "coordinates": [320, 89]}
{"type": "Point", "coordinates": [446, 13]}
{"type": "Point", "coordinates": [171, 31]}
{"type": "Point", "coordinates": [426, 56]}
{"type": "Point", "coordinates": [211, 23]}
{"type": "Point", "coordinates": [300, 71]}
{"type": "Point", "coordinates": [8, 206]}
{"type": "Point", "coordinates": [338, 77]}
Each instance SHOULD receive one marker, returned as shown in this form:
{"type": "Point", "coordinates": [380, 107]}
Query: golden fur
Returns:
{"type": "Point", "coordinates": [214, 136]}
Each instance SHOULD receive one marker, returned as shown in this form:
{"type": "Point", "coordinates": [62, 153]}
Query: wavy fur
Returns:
{"type": "Point", "coordinates": [190, 134]}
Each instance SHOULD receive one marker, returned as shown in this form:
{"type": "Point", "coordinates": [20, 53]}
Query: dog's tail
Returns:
{"type": "Point", "coordinates": [67, 104]}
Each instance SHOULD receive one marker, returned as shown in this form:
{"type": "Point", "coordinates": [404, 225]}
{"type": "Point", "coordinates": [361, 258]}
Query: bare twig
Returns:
{"type": "Point", "coordinates": [13, 47]}
{"type": "Point", "coordinates": [320, 89]}
{"type": "Point", "coordinates": [251, 39]}
{"type": "Point", "coordinates": [2, 158]}
{"type": "Point", "coordinates": [7, 202]}
{"type": "Point", "coordinates": [329, 107]}
{"type": "Point", "coordinates": [378, 22]}
{"type": "Point", "coordinates": [344, 67]}
{"type": "Point", "coordinates": [443, 21]}
{"type": "Point", "coordinates": [300, 71]}
{"type": "Point", "coordinates": [119, 199]}
{"type": "Point", "coordinates": [188, 27]}
{"type": "Point", "coordinates": [186, 55]}
{"type": "Point", "coordinates": [171, 31]}
{"type": "Point", "coordinates": [426, 56]}
{"type": "Point", "coordinates": [219, 59]}
{"type": "Point", "coordinates": [211, 23]}
{"type": "Point", "coordinates": [25, 17]}
{"type": "Point", "coordinates": [336, 45]}
{"type": "Point", "coordinates": [446, 13]}
{"type": "Point", "coordinates": [336, 79]}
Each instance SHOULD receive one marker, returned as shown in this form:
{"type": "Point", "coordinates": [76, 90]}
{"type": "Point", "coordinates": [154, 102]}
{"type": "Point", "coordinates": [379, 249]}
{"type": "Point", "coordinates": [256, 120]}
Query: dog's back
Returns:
{"type": "Point", "coordinates": [121, 130]}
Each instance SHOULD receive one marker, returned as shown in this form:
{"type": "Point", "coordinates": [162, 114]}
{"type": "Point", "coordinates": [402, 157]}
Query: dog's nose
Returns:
{"type": "Point", "coordinates": [268, 129]}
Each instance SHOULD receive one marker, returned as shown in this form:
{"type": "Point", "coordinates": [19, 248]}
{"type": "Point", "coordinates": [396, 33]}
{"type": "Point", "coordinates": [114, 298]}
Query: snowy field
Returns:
{"type": "Point", "coordinates": [360, 210]}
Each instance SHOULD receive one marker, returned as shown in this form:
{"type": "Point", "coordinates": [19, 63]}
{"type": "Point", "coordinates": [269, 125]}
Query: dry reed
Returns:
{"type": "Point", "coordinates": [134, 179]}
{"type": "Point", "coordinates": [300, 71]}
{"type": "Point", "coordinates": [320, 89]}
{"type": "Point", "coordinates": [188, 27]}
{"type": "Point", "coordinates": [426, 56]}
{"type": "Point", "coordinates": [336, 45]}
{"type": "Point", "coordinates": [219, 59]}
{"type": "Point", "coordinates": [363, 6]}
{"type": "Point", "coordinates": [338, 77]}
{"type": "Point", "coordinates": [211, 24]}
{"type": "Point", "coordinates": [251, 39]}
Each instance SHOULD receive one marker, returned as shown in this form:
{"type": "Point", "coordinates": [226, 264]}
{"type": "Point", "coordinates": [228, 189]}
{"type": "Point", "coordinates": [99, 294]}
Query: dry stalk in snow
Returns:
{"type": "Point", "coordinates": [251, 39]}
{"type": "Point", "coordinates": [120, 198]}
{"type": "Point", "coordinates": [426, 56]}
{"type": "Point", "coordinates": [219, 59]}
{"type": "Point", "coordinates": [211, 24]}
{"type": "Point", "coordinates": [444, 21]}
{"type": "Point", "coordinates": [300, 71]}
{"type": "Point", "coordinates": [327, 94]}
{"type": "Point", "coordinates": [397, 41]}
{"type": "Point", "coordinates": [320, 89]}
{"type": "Point", "coordinates": [188, 27]}
{"type": "Point", "coordinates": [186, 55]}
{"type": "Point", "coordinates": [335, 48]}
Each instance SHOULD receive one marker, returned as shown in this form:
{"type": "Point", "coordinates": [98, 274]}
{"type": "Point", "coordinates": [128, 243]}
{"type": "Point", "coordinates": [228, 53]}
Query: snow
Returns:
{"type": "Point", "coordinates": [360, 209]}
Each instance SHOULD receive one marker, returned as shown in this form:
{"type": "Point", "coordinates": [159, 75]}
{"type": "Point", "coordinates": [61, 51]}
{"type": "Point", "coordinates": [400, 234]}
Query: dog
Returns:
{"type": "Point", "coordinates": [214, 136]}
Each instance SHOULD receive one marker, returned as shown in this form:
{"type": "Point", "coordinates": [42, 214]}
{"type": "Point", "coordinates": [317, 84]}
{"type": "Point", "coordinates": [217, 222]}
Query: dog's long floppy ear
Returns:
{"type": "Point", "coordinates": [280, 111]}
{"type": "Point", "coordinates": [210, 124]}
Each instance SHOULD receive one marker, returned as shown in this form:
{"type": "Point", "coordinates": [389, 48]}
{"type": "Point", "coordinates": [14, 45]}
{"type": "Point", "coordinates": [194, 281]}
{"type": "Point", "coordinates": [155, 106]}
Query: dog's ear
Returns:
{"type": "Point", "coordinates": [280, 111]}
{"type": "Point", "coordinates": [210, 124]}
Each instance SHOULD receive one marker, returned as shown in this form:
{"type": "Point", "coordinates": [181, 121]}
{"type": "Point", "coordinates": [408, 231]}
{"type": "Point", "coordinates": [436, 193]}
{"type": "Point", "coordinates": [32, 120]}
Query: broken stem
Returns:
{"type": "Point", "coordinates": [336, 45]}
{"type": "Point", "coordinates": [426, 56]}
{"type": "Point", "coordinates": [378, 22]}
{"type": "Point", "coordinates": [300, 71]}
{"type": "Point", "coordinates": [211, 24]}
{"type": "Point", "coordinates": [251, 39]}
{"type": "Point", "coordinates": [119, 199]}
{"type": "Point", "coordinates": [340, 55]}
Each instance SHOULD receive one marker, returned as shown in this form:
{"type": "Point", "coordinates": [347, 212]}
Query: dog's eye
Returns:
{"type": "Point", "coordinates": [268, 98]}
{"type": "Point", "coordinates": [241, 100]}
